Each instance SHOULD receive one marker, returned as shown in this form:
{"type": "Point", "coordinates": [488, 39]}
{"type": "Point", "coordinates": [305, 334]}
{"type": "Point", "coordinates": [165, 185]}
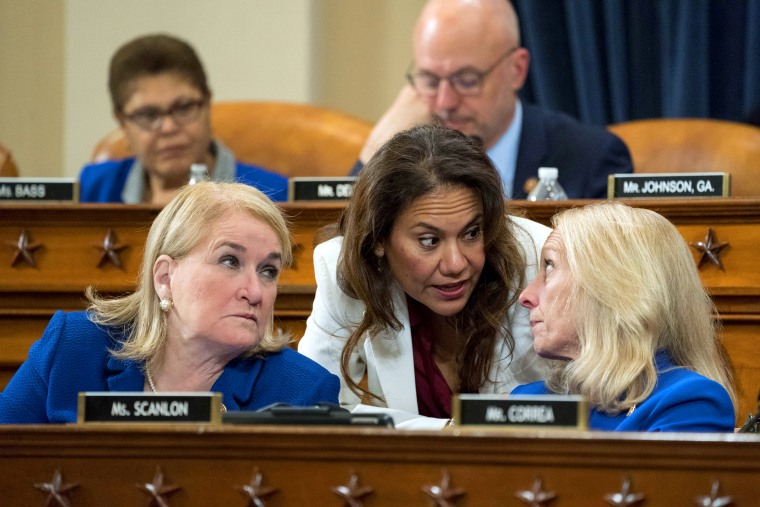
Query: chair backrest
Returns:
{"type": "Point", "coordinates": [7, 165]}
{"type": "Point", "coordinates": [675, 145]}
{"type": "Point", "coordinates": [288, 138]}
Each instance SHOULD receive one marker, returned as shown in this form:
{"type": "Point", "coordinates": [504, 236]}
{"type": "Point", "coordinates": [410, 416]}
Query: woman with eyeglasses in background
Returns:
{"type": "Point", "coordinates": [161, 99]}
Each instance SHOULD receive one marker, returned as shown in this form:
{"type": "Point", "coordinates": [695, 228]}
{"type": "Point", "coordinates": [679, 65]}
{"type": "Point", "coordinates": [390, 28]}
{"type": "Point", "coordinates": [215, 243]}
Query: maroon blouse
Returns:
{"type": "Point", "coordinates": [433, 392]}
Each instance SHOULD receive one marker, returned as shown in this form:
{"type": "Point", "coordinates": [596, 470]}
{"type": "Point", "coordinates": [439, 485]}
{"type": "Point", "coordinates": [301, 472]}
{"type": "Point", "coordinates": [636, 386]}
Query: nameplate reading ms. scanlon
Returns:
{"type": "Point", "coordinates": [142, 407]}
{"type": "Point", "coordinates": [39, 190]}
{"type": "Point", "coordinates": [520, 411]}
{"type": "Point", "coordinates": [320, 188]}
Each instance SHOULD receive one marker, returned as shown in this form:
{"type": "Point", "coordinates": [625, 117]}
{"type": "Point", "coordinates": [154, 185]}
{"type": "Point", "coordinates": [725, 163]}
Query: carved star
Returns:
{"type": "Point", "coordinates": [710, 249]}
{"type": "Point", "coordinates": [536, 496]}
{"type": "Point", "coordinates": [714, 500]}
{"type": "Point", "coordinates": [443, 493]}
{"type": "Point", "coordinates": [157, 490]}
{"type": "Point", "coordinates": [57, 490]}
{"type": "Point", "coordinates": [24, 249]}
{"type": "Point", "coordinates": [352, 493]}
{"type": "Point", "coordinates": [624, 498]}
{"type": "Point", "coordinates": [255, 491]}
{"type": "Point", "coordinates": [110, 250]}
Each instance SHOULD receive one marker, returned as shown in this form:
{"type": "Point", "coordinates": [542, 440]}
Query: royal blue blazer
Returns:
{"type": "Point", "coordinates": [104, 182]}
{"type": "Point", "coordinates": [73, 356]}
{"type": "Point", "coordinates": [682, 401]}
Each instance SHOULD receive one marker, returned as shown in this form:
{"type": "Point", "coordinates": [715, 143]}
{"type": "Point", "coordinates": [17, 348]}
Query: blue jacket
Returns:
{"type": "Point", "coordinates": [682, 400]}
{"type": "Point", "coordinates": [104, 182]}
{"type": "Point", "coordinates": [73, 356]}
{"type": "Point", "coordinates": [584, 154]}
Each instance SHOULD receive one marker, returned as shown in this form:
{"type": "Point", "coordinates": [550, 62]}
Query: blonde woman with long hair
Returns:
{"type": "Point", "coordinates": [199, 320]}
{"type": "Point", "coordinates": [620, 308]}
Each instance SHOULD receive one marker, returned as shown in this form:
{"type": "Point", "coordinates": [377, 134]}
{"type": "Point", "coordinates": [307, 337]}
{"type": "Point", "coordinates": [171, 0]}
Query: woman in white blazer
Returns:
{"type": "Point", "coordinates": [417, 297]}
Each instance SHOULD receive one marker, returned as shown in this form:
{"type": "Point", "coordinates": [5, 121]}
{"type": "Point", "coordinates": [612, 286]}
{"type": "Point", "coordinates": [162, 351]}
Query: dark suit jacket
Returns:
{"type": "Point", "coordinates": [584, 154]}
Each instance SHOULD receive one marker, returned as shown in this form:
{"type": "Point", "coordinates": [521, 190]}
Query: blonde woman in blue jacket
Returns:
{"type": "Point", "coordinates": [619, 307]}
{"type": "Point", "coordinates": [200, 319]}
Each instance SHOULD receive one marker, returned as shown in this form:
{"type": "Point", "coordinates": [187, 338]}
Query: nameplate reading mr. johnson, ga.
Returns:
{"type": "Point", "coordinates": [39, 190]}
{"type": "Point", "coordinates": [520, 411]}
{"type": "Point", "coordinates": [141, 407]}
{"type": "Point", "coordinates": [319, 188]}
{"type": "Point", "coordinates": [668, 185]}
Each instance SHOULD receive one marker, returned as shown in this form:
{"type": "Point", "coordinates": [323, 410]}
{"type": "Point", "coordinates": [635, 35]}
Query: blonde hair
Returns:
{"type": "Point", "coordinates": [635, 291]}
{"type": "Point", "coordinates": [175, 232]}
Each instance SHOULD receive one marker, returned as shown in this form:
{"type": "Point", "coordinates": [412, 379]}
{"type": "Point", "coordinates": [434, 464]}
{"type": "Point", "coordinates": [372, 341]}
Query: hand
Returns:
{"type": "Point", "coordinates": [405, 112]}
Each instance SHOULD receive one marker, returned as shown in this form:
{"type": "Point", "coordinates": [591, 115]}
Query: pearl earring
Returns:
{"type": "Point", "coordinates": [166, 304]}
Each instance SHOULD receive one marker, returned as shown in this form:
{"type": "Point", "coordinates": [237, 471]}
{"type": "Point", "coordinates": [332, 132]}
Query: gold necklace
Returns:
{"type": "Point", "coordinates": [153, 387]}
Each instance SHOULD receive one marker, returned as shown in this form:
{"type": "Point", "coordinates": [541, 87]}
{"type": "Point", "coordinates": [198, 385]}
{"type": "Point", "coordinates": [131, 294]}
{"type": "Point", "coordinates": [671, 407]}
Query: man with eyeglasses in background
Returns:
{"type": "Point", "coordinates": [161, 99]}
{"type": "Point", "coordinates": [467, 71]}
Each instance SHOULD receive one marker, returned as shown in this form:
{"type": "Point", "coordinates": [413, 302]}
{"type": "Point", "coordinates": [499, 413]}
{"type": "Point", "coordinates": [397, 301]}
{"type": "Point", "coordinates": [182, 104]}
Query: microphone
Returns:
{"type": "Point", "coordinates": [753, 421]}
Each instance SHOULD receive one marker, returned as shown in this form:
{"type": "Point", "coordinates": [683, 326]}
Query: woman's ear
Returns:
{"type": "Point", "coordinates": [163, 270]}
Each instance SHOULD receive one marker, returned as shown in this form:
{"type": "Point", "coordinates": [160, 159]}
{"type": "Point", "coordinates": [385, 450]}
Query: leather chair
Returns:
{"type": "Point", "coordinates": [8, 167]}
{"type": "Point", "coordinates": [288, 138]}
{"type": "Point", "coordinates": [666, 145]}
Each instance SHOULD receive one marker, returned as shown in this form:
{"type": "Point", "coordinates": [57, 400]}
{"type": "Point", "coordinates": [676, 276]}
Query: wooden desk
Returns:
{"type": "Point", "coordinates": [70, 256]}
{"type": "Point", "coordinates": [303, 466]}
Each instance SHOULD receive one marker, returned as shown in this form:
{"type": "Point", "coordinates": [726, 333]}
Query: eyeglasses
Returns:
{"type": "Point", "coordinates": [465, 82]}
{"type": "Point", "coordinates": [182, 113]}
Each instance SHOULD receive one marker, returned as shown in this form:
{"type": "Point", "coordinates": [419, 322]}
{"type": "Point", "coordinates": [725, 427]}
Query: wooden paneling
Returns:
{"type": "Point", "coordinates": [70, 236]}
{"type": "Point", "coordinates": [303, 466]}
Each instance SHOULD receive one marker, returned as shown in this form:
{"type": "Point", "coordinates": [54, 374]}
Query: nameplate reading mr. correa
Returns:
{"type": "Point", "coordinates": [669, 185]}
{"type": "Point", "coordinates": [141, 407]}
{"type": "Point", "coordinates": [39, 190]}
{"type": "Point", "coordinates": [520, 411]}
{"type": "Point", "coordinates": [319, 188]}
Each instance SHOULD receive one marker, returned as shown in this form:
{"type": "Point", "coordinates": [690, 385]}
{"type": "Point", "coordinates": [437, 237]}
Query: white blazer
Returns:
{"type": "Point", "coordinates": [387, 359]}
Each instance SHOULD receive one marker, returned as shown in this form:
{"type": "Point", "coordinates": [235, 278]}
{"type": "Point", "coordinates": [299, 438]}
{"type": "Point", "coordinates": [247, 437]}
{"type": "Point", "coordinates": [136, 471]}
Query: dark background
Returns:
{"type": "Point", "coordinates": [607, 61]}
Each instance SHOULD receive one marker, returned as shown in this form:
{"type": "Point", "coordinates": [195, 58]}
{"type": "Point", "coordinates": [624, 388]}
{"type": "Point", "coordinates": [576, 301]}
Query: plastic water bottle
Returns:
{"type": "Point", "coordinates": [198, 173]}
{"type": "Point", "coordinates": [548, 187]}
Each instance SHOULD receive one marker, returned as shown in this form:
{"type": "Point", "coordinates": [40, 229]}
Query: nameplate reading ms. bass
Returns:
{"type": "Point", "coordinates": [318, 188]}
{"type": "Point", "coordinates": [141, 407]}
{"type": "Point", "coordinates": [39, 190]}
{"type": "Point", "coordinates": [669, 185]}
{"type": "Point", "coordinates": [520, 411]}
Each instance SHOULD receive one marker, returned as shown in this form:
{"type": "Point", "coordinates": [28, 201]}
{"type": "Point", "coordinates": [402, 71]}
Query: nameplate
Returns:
{"type": "Point", "coordinates": [317, 188]}
{"type": "Point", "coordinates": [39, 190]}
{"type": "Point", "coordinates": [520, 411]}
{"type": "Point", "coordinates": [141, 407]}
{"type": "Point", "coordinates": [668, 185]}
